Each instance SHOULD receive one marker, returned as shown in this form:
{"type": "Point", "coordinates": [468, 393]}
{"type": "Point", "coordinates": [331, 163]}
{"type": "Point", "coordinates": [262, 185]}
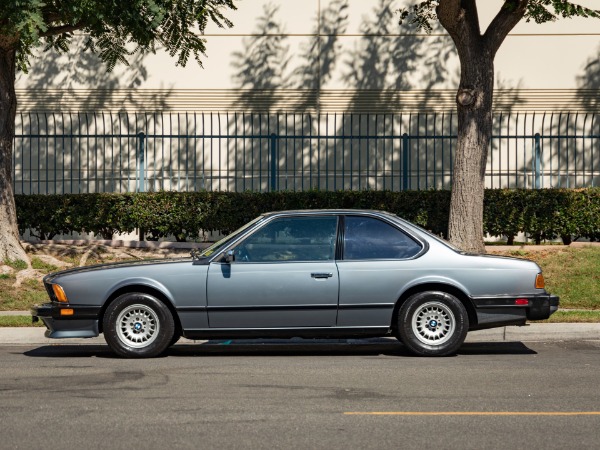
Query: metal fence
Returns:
{"type": "Point", "coordinates": [125, 152]}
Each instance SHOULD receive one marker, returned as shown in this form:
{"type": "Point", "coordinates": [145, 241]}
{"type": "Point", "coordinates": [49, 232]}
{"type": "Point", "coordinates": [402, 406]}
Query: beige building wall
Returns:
{"type": "Point", "coordinates": [310, 67]}
{"type": "Point", "coordinates": [338, 48]}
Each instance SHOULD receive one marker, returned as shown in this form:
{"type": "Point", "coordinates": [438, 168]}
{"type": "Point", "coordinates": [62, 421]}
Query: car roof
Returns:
{"type": "Point", "coordinates": [326, 211]}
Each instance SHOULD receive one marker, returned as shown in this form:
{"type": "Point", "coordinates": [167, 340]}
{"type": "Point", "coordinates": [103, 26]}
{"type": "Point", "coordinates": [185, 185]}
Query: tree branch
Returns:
{"type": "Point", "coordinates": [470, 7]}
{"type": "Point", "coordinates": [53, 31]}
{"type": "Point", "coordinates": [507, 18]}
{"type": "Point", "coordinates": [449, 12]}
{"type": "Point", "coordinates": [460, 19]}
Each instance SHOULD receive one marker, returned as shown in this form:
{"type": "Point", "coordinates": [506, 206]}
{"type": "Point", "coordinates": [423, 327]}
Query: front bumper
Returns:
{"type": "Point", "coordinates": [84, 323]}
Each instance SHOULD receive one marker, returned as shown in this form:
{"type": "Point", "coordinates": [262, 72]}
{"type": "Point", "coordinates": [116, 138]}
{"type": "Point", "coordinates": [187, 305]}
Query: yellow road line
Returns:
{"type": "Point", "coordinates": [474, 413]}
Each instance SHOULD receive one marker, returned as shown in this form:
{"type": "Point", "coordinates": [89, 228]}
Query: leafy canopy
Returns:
{"type": "Point", "coordinates": [540, 11]}
{"type": "Point", "coordinates": [113, 29]}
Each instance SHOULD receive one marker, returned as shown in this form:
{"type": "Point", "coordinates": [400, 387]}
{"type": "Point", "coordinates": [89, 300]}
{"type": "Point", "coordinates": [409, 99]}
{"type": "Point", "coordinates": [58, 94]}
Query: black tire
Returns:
{"type": "Point", "coordinates": [432, 323]}
{"type": "Point", "coordinates": [137, 325]}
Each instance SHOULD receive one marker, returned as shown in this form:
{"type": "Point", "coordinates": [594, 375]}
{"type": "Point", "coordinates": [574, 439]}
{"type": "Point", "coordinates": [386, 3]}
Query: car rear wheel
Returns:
{"type": "Point", "coordinates": [138, 325]}
{"type": "Point", "coordinates": [432, 324]}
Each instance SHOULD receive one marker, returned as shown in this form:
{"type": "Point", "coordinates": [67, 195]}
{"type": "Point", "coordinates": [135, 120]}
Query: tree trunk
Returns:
{"type": "Point", "coordinates": [474, 103]}
{"type": "Point", "coordinates": [10, 246]}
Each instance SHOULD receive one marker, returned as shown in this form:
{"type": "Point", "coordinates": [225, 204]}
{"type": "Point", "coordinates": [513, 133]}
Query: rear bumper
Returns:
{"type": "Point", "coordinates": [542, 308]}
{"type": "Point", "coordinates": [84, 323]}
{"type": "Point", "coordinates": [512, 310]}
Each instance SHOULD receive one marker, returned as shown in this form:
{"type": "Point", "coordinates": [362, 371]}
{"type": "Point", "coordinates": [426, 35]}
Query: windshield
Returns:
{"type": "Point", "coordinates": [217, 246]}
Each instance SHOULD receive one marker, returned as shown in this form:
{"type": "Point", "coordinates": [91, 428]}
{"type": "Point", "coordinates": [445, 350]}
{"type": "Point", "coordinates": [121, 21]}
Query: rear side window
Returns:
{"type": "Point", "coordinates": [369, 238]}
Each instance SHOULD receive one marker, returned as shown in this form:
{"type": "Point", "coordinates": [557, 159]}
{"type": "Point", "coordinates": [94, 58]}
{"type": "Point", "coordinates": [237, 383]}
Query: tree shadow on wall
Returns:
{"type": "Point", "coordinates": [78, 69]}
{"type": "Point", "coordinates": [319, 55]}
{"type": "Point", "coordinates": [568, 151]}
{"type": "Point", "coordinates": [72, 164]}
{"type": "Point", "coordinates": [263, 61]}
{"type": "Point", "coordinates": [380, 68]}
{"type": "Point", "coordinates": [262, 71]}
{"type": "Point", "coordinates": [588, 95]}
{"type": "Point", "coordinates": [302, 160]}
{"type": "Point", "coordinates": [589, 83]}
{"type": "Point", "coordinates": [569, 156]}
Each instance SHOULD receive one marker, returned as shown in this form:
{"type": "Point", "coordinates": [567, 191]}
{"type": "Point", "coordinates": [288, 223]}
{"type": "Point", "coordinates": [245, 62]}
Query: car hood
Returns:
{"type": "Point", "coordinates": [116, 265]}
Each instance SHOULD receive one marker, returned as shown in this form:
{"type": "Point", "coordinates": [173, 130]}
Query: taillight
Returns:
{"type": "Point", "coordinates": [539, 281]}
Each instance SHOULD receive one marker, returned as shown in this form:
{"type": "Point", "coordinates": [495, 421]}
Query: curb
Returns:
{"type": "Point", "coordinates": [539, 332]}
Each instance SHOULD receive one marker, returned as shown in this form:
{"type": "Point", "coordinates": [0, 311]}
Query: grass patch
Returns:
{"type": "Point", "coordinates": [16, 264]}
{"type": "Point", "coordinates": [18, 321]}
{"type": "Point", "coordinates": [574, 317]}
{"type": "Point", "coordinates": [23, 297]}
{"type": "Point", "coordinates": [574, 275]}
{"type": "Point", "coordinates": [37, 263]}
{"type": "Point", "coordinates": [571, 273]}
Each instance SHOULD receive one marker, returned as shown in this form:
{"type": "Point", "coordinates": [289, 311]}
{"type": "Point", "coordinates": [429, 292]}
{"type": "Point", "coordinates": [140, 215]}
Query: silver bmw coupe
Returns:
{"type": "Point", "coordinates": [318, 273]}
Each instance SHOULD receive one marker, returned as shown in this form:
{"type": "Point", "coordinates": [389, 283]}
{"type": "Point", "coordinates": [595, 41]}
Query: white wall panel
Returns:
{"type": "Point", "coordinates": [361, 47]}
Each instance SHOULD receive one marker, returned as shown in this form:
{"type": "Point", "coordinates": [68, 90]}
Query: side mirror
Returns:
{"type": "Point", "coordinates": [229, 256]}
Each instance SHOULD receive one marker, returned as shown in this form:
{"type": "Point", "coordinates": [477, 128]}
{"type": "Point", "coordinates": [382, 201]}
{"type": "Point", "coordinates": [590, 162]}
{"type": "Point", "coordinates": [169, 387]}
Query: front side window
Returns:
{"type": "Point", "coordinates": [370, 238]}
{"type": "Point", "coordinates": [291, 239]}
{"type": "Point", "coordinates": [221, 244]}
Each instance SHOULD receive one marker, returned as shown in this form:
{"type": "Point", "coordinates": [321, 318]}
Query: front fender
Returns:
{"type": "Point", "coordinates": [141, 281]}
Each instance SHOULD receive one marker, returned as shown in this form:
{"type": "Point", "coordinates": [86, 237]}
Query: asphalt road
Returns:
{"type": "Point", "coordinates": [299, 396]}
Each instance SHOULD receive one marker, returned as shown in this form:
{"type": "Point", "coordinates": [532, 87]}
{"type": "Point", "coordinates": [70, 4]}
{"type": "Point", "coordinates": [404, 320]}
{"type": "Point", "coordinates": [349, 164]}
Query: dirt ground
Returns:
{"type": "Point", "coordinates": [47, 258]}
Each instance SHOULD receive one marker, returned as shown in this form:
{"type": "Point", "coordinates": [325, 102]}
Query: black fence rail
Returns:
{"type": "Point", "coordinates": [125, 152]}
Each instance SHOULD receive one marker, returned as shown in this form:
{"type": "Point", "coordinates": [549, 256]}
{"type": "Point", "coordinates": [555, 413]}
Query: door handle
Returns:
{"type": "Point", "coordinates": [321, 275]}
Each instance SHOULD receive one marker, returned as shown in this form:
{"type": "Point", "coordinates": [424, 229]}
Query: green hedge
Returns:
{"type": "Point", "coordinates": [541, 214]}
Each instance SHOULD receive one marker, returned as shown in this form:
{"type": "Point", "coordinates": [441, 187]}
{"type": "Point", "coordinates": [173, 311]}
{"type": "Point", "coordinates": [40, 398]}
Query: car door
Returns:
{"type": "Point", "coordinates": [377, 261]}
{"type": "Point", "coordinates": [282, 275]}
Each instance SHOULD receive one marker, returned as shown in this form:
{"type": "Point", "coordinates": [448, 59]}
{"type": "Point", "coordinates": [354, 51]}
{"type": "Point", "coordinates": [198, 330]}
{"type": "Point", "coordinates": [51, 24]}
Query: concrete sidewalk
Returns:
{"type": "Point", "coordinates": [534, 332]}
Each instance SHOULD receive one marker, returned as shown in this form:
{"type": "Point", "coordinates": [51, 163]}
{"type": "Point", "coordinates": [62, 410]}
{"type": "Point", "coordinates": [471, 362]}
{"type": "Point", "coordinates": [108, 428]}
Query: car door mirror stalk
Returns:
{"type": "Point", "coordinates": [229, 256]}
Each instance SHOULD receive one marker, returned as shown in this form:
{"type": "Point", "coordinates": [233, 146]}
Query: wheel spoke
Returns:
{"type": "Point", "coordinates": [433, 323]}
{"type": "Point", "coordinates": [138, 326]}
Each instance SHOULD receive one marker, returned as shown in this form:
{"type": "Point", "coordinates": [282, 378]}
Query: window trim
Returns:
{"type": "Point", "coordinates": [388, 218]}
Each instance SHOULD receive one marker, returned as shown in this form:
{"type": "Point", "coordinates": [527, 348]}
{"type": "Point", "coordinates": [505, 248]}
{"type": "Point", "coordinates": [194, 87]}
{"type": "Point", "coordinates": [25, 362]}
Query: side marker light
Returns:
{"type": "Point", "coordinates": [59, 293]}
{"type": "Point", "coordinates": [539, 281]}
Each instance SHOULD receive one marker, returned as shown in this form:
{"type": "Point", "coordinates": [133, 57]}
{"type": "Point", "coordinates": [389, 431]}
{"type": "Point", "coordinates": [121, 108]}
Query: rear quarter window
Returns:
{"type": "Point", "coordinates": [370, 238]}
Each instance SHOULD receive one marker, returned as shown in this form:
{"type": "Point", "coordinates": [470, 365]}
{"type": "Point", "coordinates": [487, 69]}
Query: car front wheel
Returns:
{"type": "Point", "coordinates": [432, 323]}
{"type": "Point", "coordinates": [137, 325]}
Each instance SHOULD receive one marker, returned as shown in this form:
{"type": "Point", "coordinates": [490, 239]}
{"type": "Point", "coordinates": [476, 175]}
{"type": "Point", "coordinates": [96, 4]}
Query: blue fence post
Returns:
{"type": "Point", "coordinates": [538, 160]}
{"type": "Point", "coordinates": [141, 163]}
{"type": "Point", "coordinates": [405, 150]}
{"type": "Point", "coordinates": [273, 162]}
